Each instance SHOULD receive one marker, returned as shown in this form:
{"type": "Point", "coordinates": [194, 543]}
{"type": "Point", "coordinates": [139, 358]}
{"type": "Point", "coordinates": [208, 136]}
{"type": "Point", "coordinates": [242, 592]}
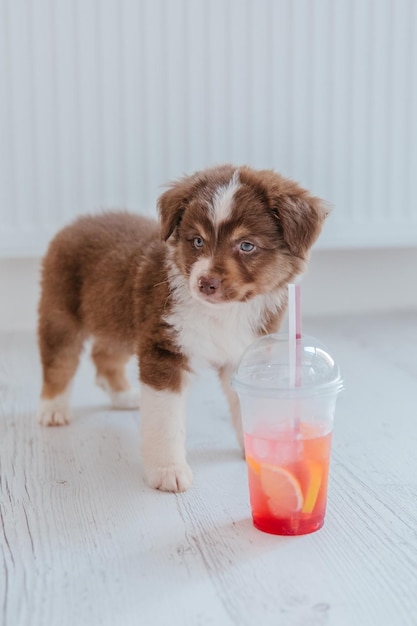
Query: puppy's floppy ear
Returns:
{"type": "Point", "coordinates": [172, 204]}
{"type": "Point", "coordinates": [300, 217]}
{"type": "Point", "coordinates": [171, 207]}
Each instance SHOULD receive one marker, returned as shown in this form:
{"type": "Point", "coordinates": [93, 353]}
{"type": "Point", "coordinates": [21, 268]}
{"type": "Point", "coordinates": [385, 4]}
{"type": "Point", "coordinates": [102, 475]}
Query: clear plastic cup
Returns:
{"type": "Point", "coordinates": [288, 431]}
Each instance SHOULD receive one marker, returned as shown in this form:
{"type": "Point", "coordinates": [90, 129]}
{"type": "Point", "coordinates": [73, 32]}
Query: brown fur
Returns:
{"type": "Point", "coordinates": [284, 219]}
{"type": "Point", "coordinates": [106, 276]}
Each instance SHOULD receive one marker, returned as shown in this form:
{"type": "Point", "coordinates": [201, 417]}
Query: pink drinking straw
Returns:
{"type": "Point", "coordinates": [294, 339]}
{"type": "Point", "coordinates": [294, 333]}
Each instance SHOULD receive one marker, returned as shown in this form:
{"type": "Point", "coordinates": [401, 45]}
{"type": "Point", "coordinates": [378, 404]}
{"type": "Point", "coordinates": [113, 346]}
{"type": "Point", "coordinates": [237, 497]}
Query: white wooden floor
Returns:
{"type": "Point", "coordinates": [84, 542]}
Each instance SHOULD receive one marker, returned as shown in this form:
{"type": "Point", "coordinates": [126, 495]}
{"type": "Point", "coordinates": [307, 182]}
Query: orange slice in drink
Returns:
{"type": "Point", "coordinates": [282, 490]}
{"type": "Point", "coordinates": [254, 465]}
{"type": "Point", "coordinates": [315, 477]}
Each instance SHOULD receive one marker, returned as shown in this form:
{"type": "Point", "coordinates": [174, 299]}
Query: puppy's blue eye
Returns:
{"type": "Point", "coordinates": [198, 242]}
{"type": "Point", "coordinates": [246, 246]}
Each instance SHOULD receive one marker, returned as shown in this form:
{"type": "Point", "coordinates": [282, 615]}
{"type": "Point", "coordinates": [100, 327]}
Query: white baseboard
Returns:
{"type": "Point", "coordinates": [360, 281]}
{"type": "Point", "coordinates": [19, 289]}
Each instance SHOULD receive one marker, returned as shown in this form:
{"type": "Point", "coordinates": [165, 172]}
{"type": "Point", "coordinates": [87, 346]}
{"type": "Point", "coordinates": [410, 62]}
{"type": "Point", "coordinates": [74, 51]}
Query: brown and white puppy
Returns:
{"type": "Point", "coordinates": [198, 288]}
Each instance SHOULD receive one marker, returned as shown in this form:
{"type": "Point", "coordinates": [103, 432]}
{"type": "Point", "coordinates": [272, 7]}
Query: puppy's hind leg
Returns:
{"type": "Point", "coordinates": [110, 362]}
{"type": "Point", "coordinates": [60, 342]}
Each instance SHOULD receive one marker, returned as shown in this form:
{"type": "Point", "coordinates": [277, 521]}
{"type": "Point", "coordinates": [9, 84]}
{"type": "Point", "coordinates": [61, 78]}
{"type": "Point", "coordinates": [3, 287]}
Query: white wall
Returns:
{"type": "Point", "coordinates": [337, 282]}
{"type": "Point", "coordinates": [104, 101]}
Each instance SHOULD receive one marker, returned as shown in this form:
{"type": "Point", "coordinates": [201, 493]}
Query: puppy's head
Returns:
{"type": "Point", "coordinates": [235, 233]}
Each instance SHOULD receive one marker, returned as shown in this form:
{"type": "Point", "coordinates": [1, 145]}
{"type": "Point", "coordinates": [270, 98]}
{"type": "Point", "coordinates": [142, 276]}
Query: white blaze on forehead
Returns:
{"type": "Point", "coordinates": [223, 199]}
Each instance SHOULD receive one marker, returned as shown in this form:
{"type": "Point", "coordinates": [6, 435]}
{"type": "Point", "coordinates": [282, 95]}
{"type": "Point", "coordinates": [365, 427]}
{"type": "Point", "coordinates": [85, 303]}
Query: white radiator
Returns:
{"type": "Point", "coordinates": [103, 101]}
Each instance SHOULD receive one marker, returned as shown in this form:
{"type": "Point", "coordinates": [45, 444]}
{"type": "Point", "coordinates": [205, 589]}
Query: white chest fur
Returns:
{"type": "Point", "coordinates": [216, 334]}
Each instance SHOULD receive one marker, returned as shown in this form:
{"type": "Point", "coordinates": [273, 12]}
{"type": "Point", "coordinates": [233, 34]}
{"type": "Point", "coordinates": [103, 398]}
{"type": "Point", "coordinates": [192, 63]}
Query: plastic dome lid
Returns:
{"type": "Point", "coordinates": [264, 368]}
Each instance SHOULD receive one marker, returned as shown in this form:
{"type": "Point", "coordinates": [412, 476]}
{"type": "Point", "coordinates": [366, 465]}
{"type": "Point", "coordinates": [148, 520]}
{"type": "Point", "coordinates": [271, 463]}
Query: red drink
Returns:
{"type": "Point", "coordinates": [288, 475]}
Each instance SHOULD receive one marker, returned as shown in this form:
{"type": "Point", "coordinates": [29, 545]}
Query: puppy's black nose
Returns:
{"type": "Point", "coordinates": [208, 285]}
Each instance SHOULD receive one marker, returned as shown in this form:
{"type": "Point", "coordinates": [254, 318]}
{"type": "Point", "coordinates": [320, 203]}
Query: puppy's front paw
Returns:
{"type": "Point", "coordinates": [176, 477]}
{"type": "Point", "coordinates": [53, 412]}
